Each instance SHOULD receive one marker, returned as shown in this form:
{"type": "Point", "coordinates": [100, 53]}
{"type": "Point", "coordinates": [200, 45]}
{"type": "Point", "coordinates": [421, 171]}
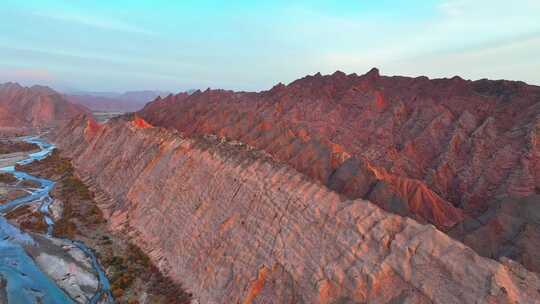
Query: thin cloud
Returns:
{"type": "Point", "coordinates": [254, 48]}
{"type": "Point", "coordinates": [461, 32]}
{"type": "Point", "coordinates": [510, 60]}
{"type": "Point", "coordinates": [91, 21]}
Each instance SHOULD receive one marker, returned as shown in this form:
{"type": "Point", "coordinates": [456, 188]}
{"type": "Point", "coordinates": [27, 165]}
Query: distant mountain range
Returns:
{"type": "Point", "coordinates": [36, 106]}
{"type": "Point", "coordinates": [115, 102]}
{"type": "Point", "coordinates": [40, 106]}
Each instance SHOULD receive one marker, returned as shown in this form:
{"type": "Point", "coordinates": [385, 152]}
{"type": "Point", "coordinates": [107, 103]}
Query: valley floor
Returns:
{"type": "Point", "coordinates": [132, 276]}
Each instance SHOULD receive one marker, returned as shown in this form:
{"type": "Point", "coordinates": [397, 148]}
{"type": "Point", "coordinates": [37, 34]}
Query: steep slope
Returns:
{"type": "Point", "coordinates": [235, 226]}
{"type": "Point", "coordinates": [443, 151]}
{"type": "Point", "coordinates": [245, 117]}
{"type": "Point", "coordinates": [35, 106]}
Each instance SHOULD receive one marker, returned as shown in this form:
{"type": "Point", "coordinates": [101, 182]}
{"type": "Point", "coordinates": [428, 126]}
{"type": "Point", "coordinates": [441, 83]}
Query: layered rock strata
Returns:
{"type": "Point", "coordinates": [449, 152]}
{"type": "Point", "coordinates": [234, 225]}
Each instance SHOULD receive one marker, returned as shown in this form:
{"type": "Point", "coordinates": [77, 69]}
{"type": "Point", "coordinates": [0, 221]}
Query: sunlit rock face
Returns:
{"type": "Point", "coordinates": [443, 151]}
{"type": "Point", "coordinates": [35, 106]}
{"type": "Point", "coordinates": [234, 225]}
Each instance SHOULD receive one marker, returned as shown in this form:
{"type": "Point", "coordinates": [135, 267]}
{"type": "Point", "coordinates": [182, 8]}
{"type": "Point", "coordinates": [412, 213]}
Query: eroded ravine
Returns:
{"type": "Point", "coordinates": [23, 253]}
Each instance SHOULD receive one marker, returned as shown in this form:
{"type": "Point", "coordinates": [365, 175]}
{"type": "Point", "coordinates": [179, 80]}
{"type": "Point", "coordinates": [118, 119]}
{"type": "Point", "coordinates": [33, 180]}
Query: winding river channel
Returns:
{"type": "Point", "coordinates": [24, 281]}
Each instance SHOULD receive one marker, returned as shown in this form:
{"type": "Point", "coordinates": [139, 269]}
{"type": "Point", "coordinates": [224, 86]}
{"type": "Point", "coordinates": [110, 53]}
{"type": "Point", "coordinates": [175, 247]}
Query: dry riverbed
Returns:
{"type": "Point", "coordinates": [133, 278]}
{"type": "Point", "coordinates": [59, 259]}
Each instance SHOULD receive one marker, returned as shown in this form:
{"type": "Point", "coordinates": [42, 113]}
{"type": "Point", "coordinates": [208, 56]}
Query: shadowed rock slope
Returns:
{"type": "Point", "coordinates": [234, 225]}
{"type": "Point", "coordinates": [37, 106]}
{"type": "Point", "coordinates": [450, 152]}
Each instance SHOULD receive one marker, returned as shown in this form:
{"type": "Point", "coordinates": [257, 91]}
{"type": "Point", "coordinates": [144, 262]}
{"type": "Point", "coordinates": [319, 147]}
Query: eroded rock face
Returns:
{"type": "Point", "coordinates": [443, 151]}
{"type": "Point", "coordinates": [467, 141]}
{"type": "Point", "coordinates": [511, 229]}
{"type": "Point", "coordinates": [235, 226]}
{"type": "Point", "coordinates": [35, 106]}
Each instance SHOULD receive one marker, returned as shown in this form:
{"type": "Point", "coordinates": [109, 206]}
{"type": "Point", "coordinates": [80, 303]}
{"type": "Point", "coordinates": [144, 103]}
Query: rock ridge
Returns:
{"type": "Point", "coordinates": [441, 151]}
{"type": "Point", "coordinates": [234, 226]}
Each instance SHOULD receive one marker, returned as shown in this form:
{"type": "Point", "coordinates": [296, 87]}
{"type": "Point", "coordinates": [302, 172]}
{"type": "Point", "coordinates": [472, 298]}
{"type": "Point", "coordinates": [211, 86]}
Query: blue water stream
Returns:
{"type": "Point", "coordinates": [26, 283]}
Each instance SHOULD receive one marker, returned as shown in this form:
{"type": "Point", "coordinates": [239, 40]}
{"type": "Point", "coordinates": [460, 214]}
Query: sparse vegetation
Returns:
{"type": "Point", "coordinates": [11, 194]}
{"type": "Point", "coordinates": [135, 264]}
{"type": "Point", "coordinates": [54, 166]}
{"type": "Point", "coordinates": [29, 220]}
{"type": "Point", "coordinates": [72, 186]}
{"type": "Point", "coordinates": [7, 178]}
{"type": "Point", "coordinates": [29, 184]}
{"type": "Point", "coordinates": [10, 146]}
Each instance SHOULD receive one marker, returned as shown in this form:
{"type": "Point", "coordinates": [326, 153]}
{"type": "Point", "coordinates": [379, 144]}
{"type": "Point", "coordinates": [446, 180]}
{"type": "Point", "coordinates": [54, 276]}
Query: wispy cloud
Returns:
{"type": "Point", "coordinates": [512, 59]}
{"type": "Point", "coordinates": [248, 45]}
{"type": "Point", "coordinates": [92, 21]}
{"type": "Point", "coordinates": [481, 7]}
{"type": "Point", "coordinates": [478, 38]}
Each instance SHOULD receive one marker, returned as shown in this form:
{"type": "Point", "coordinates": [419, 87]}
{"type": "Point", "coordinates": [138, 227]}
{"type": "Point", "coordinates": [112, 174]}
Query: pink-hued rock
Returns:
{"type": "Point", "coordinates": [442, 151]}
{"type": "Point", "coordinates": [234, 225]}
{"type": "Point", "coordinates": [467, 141]}
{"type": "Point", "coordinates": [37, 106]}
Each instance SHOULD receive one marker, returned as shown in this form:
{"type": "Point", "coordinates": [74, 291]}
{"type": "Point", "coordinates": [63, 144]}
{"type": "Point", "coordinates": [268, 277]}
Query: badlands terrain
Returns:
{"type": "Point", "coordinates": [331, 189]}
{"type": "Point", "coordinates": [461, 155]}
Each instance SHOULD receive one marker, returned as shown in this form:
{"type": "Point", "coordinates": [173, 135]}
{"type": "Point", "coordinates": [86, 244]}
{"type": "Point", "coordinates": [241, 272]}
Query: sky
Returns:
{"type": "Point", "coordinates": [121, 45]}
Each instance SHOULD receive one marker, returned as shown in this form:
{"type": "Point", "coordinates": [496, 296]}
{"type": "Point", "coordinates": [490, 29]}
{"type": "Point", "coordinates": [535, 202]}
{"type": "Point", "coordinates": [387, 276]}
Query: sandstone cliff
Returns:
{"type": "Point", "coordinates": [37, 106]}
{"type": "Point", "coordinates": [450, 152]}
{"type": "Point", "coordinates": [235, 225]}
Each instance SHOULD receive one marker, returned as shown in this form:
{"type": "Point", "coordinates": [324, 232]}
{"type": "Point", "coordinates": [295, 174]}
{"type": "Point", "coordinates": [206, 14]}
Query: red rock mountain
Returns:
{"type": "Point", "coordinates": [462, 155]}
{"type": "Point", "coordinates": [234, 225]}
{"type": "Point", "coordinates": [35, 106]}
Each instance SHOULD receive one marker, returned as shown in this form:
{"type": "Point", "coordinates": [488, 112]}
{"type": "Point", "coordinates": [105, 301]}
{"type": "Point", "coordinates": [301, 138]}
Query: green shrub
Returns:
{"type": "Point", "coordinates": [7, 178]}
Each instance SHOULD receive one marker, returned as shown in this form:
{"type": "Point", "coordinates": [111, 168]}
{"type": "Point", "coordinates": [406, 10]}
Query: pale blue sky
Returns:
{"type": "Point", "coordinates": [251, 45]}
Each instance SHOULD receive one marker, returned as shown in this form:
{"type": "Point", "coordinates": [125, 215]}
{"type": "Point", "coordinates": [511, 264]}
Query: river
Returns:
{"type": "Point", "coordinates": [25, 281]}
